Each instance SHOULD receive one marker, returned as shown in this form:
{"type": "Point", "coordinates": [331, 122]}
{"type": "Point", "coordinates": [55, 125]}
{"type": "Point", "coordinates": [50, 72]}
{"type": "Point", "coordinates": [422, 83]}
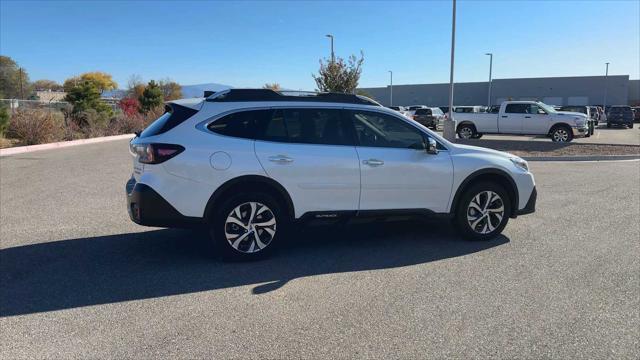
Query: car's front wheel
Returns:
{"type": "Point", "coordinates": [248, 226]}
{"type": "Point", "coordinates": [561, 134]}
{"type": "Point", "coordinates": [483, 211]}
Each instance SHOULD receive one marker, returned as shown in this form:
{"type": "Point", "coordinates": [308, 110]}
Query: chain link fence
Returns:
{"type": "Point", "coordinates": [14, 104]}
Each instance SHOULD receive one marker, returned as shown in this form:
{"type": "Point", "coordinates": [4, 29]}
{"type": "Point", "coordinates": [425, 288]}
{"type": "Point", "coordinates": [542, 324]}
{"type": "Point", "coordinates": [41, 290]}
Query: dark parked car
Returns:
{"type": "Point", "coordinates": [636, 113]}
{"type": "Point", "coordinates": [620, 115]}
{"type": "Point", "coordinates": [429, 117]}
{"type": "Point", "coordinates": [583, 110]}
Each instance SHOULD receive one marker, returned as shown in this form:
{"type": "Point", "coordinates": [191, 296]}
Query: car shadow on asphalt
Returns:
{"type": "Point", "coordinates": [108, 269]}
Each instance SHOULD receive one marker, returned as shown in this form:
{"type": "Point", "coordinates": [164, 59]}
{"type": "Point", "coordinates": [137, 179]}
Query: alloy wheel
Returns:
{"type": "Point", "coordinates": [250, 227]}
{"type": "Point", "coordinates": [561, 135]}
{"type": "Point", "coordinates": [485, 212]}
{"type": "Point", "coordinates": [466, 133]}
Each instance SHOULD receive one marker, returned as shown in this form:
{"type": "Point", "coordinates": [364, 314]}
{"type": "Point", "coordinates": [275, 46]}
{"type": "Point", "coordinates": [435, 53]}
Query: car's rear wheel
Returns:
{"type": "Point", "coordinates": [483, 211]}
{"type": "Point", "coordinates": [248, 226]}
{"type": "Point", "coordinates": [561, 134]}
{"type": "Point", "coordinates": [466, 131]}
{"type": "Point", "coordinates": [608, 125]}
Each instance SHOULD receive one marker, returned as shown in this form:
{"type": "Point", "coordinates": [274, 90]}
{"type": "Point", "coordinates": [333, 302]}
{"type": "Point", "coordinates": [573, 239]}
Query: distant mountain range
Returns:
{"type": "Point", "coordinates": [191, 91]}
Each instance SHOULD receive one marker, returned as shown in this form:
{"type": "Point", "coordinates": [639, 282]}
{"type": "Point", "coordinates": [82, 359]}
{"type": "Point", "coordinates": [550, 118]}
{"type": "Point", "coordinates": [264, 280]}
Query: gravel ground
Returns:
{"type": "Point", "coordinates": [79, 280]}
{"type": "Point", "coordinates": [539, 148]}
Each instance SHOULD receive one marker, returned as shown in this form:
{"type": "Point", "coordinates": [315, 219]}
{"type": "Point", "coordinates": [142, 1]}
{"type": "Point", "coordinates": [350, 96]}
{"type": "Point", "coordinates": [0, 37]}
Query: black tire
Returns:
{"type": "Point", "coordinates": [463, 210]}
{"type": "Point", "coordinates": [631, 126]}
{"type": "Point", "coordinates": [248, 248]}
{"type": "Point", "coordinates": [466, 131]}
{"type": "Point", "coordinates": [608, 126]}
{"type": "Point", "coordinates": [477, 136]}
{"type": "Point", "coordinates": [562, 129]}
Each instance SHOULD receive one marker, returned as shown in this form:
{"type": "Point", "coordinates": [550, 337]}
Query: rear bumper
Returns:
{"type": "Point", "coordinates": [530, 207]}
{"type": "Point", "coordinates": [620, 121]}
{"type": "Point", "coordinates": [146, 207]}
{"type": "Point", "coordinates": [427, 122]}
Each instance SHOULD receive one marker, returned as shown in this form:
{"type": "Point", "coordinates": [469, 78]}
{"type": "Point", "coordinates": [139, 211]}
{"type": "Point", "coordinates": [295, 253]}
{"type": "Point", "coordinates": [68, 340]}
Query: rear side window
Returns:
{"type": "Point", "coordinates": [307, 126]}
{"type": "Point", "coordinates": [423, 112]}
{"type": "Point", "coordinates": [243, 124]}
{"type": "Point", "coordinates": [174, 115]}
{"type": "Point", "coordinates": [517, 108]}
{"type": "Point", "coordinates": [624, 110]}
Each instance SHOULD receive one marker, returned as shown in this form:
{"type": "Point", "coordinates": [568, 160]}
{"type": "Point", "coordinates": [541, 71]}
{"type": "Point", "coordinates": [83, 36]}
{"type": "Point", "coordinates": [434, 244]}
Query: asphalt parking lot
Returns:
{"type": "Point", "coordinates": [79, 280]}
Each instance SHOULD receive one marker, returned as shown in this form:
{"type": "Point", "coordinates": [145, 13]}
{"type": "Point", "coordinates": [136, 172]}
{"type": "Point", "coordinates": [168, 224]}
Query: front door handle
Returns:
{"type": "Point", "coordinates": [281, 159]}
{"type": "Point", "coordinates": [504, 116]}
{"type": "Point", "coordinates": [373, 162]}
{"type": "Point", "coordinates": [527, 117]}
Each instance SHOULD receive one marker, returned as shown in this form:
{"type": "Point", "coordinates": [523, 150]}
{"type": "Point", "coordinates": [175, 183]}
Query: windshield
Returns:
{"type": "Point", "coordinates": [548, 109]}
{"type": "Point", "coordinates": [623, 110]}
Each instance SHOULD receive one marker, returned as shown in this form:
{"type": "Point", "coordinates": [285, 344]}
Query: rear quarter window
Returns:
{"type": "Point", "coordinates": [174, 115]}
{"type": "Point", "coordinates": [242, 124]}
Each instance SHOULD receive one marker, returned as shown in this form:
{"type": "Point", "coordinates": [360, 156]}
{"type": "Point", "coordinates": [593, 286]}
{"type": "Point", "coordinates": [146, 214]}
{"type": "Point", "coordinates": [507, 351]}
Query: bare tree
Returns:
{"type": "Point", "coordinates": [272, 86]}
{"type": "Point", "coordinates": [339, 76]}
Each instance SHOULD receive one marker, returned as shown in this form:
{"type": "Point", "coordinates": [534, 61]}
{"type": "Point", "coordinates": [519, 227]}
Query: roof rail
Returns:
{"type": "Point", "coordinates": [232, 95]}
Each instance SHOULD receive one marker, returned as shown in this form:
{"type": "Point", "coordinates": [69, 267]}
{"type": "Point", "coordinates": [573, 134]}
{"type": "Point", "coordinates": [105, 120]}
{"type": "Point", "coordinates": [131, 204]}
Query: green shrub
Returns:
{"type": "Point", "coordinates": [4, 120]}
{"type": "Point", "coordinates": [86, 96]}
{"type": "Point", "coordinates": [92, 123]}
{"type": "Point", "coordinates": [151, 97]}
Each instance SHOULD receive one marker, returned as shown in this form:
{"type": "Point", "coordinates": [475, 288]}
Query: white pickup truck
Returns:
{"type": "Point", "coordinates": [526, 118]}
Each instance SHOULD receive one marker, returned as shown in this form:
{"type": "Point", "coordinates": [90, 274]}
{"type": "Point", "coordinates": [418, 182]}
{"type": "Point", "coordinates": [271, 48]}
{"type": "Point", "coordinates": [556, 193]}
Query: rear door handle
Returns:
{"type": "Point", "coordinates": [504, 116]}
{"type": "Point", "coordinates": [373, 162]}
{"type": "Point", "coordinates": [527, 117]}
{"type": "Point", "coordinates": [280, 159]}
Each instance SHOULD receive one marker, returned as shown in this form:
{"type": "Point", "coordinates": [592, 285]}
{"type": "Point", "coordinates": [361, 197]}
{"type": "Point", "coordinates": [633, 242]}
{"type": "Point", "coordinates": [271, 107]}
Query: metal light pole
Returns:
{"type": "Point", "coordinates": [21, 84]}
{"type": "Point", "coordinates": [391, 89]}
{"type": "Point", "coordinates": [449, 131]}
{"type": "Point", "coordinates": [490, 68]}
{"type": "Point", "coordinates": [604, 101]}
{"type": "Point", "coordinates": [333, 57]}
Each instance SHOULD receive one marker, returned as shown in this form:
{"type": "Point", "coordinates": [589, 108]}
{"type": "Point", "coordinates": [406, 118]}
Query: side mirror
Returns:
{"type": "Point", "coordinates": [432, 146]}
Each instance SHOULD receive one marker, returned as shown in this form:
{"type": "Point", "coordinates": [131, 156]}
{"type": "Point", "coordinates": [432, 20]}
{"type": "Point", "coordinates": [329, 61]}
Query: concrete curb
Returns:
{"type": "Point", "coordinates": [582, 158]}
{"type": "Point", "coordinates": [62, 144]}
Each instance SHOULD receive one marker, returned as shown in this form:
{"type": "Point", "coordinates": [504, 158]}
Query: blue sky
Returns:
{"type": "Point", "coordinates": [246, 44]}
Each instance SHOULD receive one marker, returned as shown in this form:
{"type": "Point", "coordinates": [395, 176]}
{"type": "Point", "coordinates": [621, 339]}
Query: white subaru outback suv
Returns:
{"type": "Point", "coordinates": [250, 163]}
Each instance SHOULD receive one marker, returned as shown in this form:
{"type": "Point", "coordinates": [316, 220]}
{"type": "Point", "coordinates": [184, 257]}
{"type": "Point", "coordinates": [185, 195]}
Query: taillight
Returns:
{"type": "Point", "coordinates": [156, 153]}
{"type": "Point", "coordinates": [414, 117]}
